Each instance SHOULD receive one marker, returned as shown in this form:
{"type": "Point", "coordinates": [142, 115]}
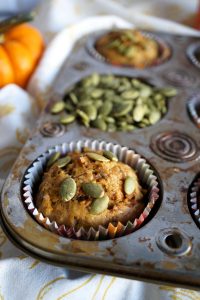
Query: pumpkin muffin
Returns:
{"type": "Point", "coordinates": [128, 48]}
{"type": "Point", "coordinates": [88, 189]}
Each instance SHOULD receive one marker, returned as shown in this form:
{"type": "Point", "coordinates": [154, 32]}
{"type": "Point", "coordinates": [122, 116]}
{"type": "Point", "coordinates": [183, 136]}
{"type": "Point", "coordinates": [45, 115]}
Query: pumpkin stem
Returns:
{"type": "Point", "coordinates": [15, 20]}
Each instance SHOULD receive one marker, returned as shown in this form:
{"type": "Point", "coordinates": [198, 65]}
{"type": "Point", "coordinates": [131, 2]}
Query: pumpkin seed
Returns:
{"type": "Point", "coordinates": [105, 109]}
{"type": "Point", "coordinates": [109, 120]}
{"type": "Point", "coordinates": [69, 107]}
{"type": "Point", "coordinates": [129, 35]}
{"type": "Point", "coordinates": [85, 103]}
{"type": "Point", "coordinates": [97, 93]}
{"type": "Point", "coordinates": [168, 92]}
{"type": "Point", "coordinates": [98, 103]}
{"type": "Point", "coordinates": [154, 117]}
{"type": "Point", "coordinates": [90, 111]}
{"type": "Point", "coordinates": [136, 83]}
{"type": "Point", "coordinates": [130, 94]}
{"type": "Point", "coordinates": [145, 92]}
{"type": "Point", "coordinates": [82, 115]}
{"type": "Point", "coordinates": [97, 157]}
{"type": "Point", "coordinates": [57, 107]}
{"type": "Point", "coordinates": [121, 109]}
{"type": "Point", "coordinates": [129, 127]}
{"type": "Point", "coordinates": [99, 205]}
{"type": "Point", "coordinates": [62, 162]}
{"type": "Point", "coordinates": [99, 123]}
{"type": "Point", "coordinates": [68, 189]}
{"type": "Point", "coordinates": [53, 158]}
{"type": "Point", "coordinates": [92, 189]}
{"type": "Point", "coordinates": [67, 119]}
{"type": "Point", "coordinates": [138, 113]}
{"type": "Point", "coordinates": [73, 98]}
{"type": "Point", "coordinates": [110, 155]}
{"type": "Point", "coordinates": [95, 78]}
{"type": "Point", "coordinates": [129, 185]}
{"type": "Point", "coordinates": [111, 128]}
{"type": "Point", "coordinates": [158, 96]}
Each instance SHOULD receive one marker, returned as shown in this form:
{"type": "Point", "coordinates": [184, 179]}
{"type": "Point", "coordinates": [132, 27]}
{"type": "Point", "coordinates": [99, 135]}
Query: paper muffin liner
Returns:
{"type": "Point", "coordinates": [164, 50]}
{"type": "Point", "coordinates": [146, 176]}
{"type": "Point", "coordinates": [194, 194]}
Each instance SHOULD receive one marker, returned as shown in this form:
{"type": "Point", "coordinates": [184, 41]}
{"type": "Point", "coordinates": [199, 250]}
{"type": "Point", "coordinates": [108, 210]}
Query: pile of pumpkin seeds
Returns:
{"type": "Point", "coordinates": [113, 103]}
{"type": "Point", "coordinates": [93, 190]}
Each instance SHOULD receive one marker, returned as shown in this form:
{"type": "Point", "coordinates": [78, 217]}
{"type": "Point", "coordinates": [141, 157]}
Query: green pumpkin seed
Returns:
{"type": "Point", "coordinates": [90, 111]}
{"type": "Point", "coordinates": [109, 120]}
{"type": "Point", "coordinates": [99, 205]}
{"type": "Point", "coordinates": [158, 96]}
{"type": "Point", "coordinates": [145, 92]}
{"type": "Point", "coordinates": [111, 128]}
{"type": "Point", "coordinates": [168, 92]}
{"type": "Point", "coordinates": [73, 98]}
{"type": "Point", "coordinates": [93, 190]}
{"type": "Point", "coordinates": [136, 83]}
{"type": "Point", "coordinates": [129, 35]}
{"type": "Point", "coordinates": [68, 189]}
{"type": "Point", "coordinates": [57, 107]}
{"type": "Point", "coordinates": [100, 124]}
{"type": "Point", "coordinates": [138, 113]}
{"type": "Point", "coordinates": [53, 158]}
{"type": "Point", "coordinates": [129, 185]}
{"type": "Point", "coordinates": [97, 157]}
{"type": "Point", "coordinates": [154, 116]}
{"type": "Point", "coordinates": [110, 155]}
{"type": "Point", "coordinates": [67, 119]}
{"type": "Point", "coordinates": [95, 79]}
{"type": "Point", "coordinates": [105, 109]}
{"type": "Point", "coordinates": [82, 115]}
{"type": "Point", "coordinates": [129, 127]}
{"type": "Point", "coordinates": [121, 109]}
{"type": "Point", "coordinates": [130, 94]}
{"type": "Point", "coordinates": [98, 103]}
{"type": "Point", "coordinates": [85, 103]}
{"type": "Point", "coordinates": [130, 51]}
{"type": "Point", "coordinates": [69, 107]}
{"type": "Point", "coordinates": [62, 162]}
{"type": "Point", "coordinates": [97, 93]}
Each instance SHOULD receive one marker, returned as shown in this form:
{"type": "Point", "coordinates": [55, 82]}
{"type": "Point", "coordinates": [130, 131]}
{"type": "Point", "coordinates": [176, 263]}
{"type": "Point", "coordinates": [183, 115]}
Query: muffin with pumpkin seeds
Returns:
{"type": "Point", "coordinates": [88, 189]}
{"type": "Point", "coordinates": [129, 48]}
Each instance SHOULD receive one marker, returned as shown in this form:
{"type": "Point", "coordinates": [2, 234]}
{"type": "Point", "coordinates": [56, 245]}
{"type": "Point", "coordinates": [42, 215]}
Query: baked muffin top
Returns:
{"type": "Point", "coordinates": [89, 189]}
{"type": "Point", "coordinates": [128, 47]}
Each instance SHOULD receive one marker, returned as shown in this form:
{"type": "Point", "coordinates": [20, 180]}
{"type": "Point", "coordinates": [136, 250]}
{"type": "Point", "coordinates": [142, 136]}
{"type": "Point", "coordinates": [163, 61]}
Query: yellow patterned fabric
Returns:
{"type": "Point", "coordinates": [22, 277]}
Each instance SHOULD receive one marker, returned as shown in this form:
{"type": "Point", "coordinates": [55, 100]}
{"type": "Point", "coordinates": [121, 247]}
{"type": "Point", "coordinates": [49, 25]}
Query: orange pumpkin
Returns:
{"type": "Point", "coordinates": [20, 49]}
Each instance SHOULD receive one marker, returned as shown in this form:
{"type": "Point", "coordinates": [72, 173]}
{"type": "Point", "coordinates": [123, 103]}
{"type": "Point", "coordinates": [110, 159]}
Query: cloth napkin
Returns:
{"type": "Point", "coordinates": [22, 277]}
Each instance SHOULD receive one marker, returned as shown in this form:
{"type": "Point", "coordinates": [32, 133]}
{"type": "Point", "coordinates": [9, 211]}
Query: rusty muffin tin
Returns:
{"type": "Point", "coordinates": [166, 249]}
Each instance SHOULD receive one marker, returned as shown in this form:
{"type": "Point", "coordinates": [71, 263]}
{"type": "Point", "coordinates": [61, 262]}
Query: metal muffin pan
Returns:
{"type": "Point", "coordinates": [166, 248]}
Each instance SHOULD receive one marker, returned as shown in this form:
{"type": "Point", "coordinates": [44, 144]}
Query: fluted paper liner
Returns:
{"type": "Point", "coordinates": [164, 51]}
{"type": "Point", "coordinates": [146, 178]}
{"type": "Point", "coordinates": [193, 199]}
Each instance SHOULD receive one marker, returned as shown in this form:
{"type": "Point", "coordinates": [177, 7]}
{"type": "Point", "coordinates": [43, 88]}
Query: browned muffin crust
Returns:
{"type": "Point", "coordinates": [76, 212]}
{"type": "Point", "coordinates": [128, 47]}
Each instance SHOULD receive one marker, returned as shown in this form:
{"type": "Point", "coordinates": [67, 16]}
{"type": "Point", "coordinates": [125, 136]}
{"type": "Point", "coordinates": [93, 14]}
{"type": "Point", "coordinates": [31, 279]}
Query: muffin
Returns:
{"type": "Point", "coordinates": [128, 48]}
{"type": "Point", "coordinates": [88, 189]}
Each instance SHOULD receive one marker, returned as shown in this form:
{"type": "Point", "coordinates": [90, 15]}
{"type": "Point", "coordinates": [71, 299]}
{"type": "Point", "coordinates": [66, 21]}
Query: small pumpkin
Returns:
{"type": "Point", "coordinates": [20, 49]}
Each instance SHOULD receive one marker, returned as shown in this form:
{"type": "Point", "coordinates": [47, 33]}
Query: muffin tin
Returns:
{"type": "Point", "coordinates": [166, 248]}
